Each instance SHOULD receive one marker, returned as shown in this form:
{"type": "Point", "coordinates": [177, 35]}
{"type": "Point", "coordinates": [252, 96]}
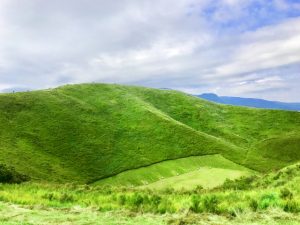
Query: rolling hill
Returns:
{"type": "Point", "coordinates": [250, 102]}
{"type": "Point", "coordinates": [88, 132]}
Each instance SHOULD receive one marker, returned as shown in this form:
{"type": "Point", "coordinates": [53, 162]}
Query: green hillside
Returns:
{"type": "Point", "coordinates": [83, 133]}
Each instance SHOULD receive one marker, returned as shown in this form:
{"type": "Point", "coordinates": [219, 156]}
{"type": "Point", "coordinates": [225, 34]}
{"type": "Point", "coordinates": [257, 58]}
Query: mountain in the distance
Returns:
{"type": "Point", "coordinates": [250, 102]}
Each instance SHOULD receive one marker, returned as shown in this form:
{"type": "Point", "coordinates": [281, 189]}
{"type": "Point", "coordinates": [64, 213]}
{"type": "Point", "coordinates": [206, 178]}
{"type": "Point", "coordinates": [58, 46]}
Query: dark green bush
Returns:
{"type": "Point", "coordinates": [9, 175]}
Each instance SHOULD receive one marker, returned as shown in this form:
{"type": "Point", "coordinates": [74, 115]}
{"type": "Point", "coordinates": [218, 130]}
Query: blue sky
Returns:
{"type": "Point", "coordinates": [248, 48]}
{"type": "Point", "coordinates": [252, 15]}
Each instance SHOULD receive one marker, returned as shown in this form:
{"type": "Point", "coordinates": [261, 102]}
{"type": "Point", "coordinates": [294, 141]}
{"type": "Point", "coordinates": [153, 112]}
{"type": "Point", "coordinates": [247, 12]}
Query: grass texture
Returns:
{"type": "Point", "coordinates": [273, 198]}
{"type": "Point", "coordinates": [185, 172]}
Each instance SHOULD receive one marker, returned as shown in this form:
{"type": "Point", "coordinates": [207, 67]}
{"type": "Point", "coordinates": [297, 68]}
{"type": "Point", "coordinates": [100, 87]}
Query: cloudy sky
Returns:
{"type": "Point", "coordinates": [247, 48]}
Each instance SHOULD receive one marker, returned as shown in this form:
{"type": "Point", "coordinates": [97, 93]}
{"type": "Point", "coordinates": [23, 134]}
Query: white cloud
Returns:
{"type": "Point", "coordinates": [166, 43]}
{"type": "Point", "coordinates": [267, 48]}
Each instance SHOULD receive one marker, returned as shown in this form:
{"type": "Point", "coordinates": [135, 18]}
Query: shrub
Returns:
{"type": "Point", "coordinates": [9, 175]}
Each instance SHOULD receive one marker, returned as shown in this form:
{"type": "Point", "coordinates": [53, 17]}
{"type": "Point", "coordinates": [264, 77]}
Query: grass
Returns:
{"type": "Point", "coordinates": [11, 214]}
{"type": "Point", "coordinates": [185, 172]}
{"type": "Point", "coordinates": [270, 199]}
{"type": "Point", "coordinates": [84, 133]}
{"type": "Point", "coordinates": [201, 177]}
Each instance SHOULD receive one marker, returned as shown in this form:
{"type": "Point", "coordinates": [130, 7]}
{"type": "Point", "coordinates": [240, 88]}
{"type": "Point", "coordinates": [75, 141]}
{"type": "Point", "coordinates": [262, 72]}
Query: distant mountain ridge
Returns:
{"type": "Point", "coordinates": [250, 102]}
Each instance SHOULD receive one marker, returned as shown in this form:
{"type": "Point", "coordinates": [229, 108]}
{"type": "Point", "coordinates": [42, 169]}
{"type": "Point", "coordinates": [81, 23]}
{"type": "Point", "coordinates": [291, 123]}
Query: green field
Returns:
{"type": "Point", "coordinates": [114, 154]}
{"type": "Point", "coordinates": [181, 173]}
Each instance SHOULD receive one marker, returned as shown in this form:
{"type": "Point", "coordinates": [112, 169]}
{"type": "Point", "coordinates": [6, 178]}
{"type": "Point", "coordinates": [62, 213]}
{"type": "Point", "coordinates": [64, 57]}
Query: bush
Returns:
{"type": "Point", "coordinates": [9, 175]}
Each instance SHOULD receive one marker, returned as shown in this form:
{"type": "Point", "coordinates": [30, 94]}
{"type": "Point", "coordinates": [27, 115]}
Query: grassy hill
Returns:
{"type": "Point", "coordinates": [83, 133]}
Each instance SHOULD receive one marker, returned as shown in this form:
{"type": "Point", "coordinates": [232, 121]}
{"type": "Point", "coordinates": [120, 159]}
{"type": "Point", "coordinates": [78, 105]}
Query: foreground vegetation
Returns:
{"type": "Point", "coordinates": [273, 199]}
{"type": "Point", "coordinates": [11, 214]}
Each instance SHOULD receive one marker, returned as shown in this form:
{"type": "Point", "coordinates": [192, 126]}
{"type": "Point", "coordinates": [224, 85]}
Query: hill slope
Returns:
{"type": "Point", "coordinates": [87, 132]}
{"type": "Point", "coordinates": [250, 102]}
